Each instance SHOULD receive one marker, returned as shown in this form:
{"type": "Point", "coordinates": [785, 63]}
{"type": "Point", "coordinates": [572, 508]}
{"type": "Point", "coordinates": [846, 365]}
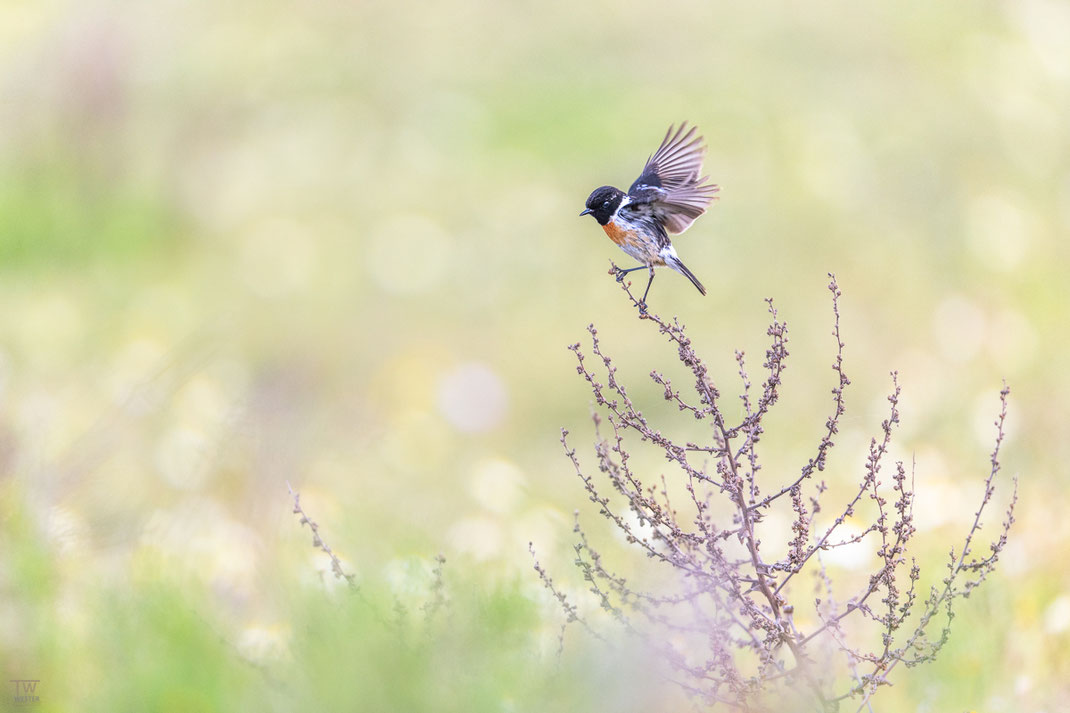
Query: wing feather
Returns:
{"type": "Point", "coordinates": [670, 182]}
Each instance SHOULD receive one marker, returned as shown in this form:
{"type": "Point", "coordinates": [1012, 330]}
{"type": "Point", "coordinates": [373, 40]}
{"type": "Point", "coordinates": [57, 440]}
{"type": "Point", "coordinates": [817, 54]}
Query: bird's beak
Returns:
{"type": "Point", "coordinates": [586, 212]}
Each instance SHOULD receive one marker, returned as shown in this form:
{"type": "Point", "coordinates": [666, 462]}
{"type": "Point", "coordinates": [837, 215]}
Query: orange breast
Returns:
{"type": "Point", "coordinates": [619, 235]}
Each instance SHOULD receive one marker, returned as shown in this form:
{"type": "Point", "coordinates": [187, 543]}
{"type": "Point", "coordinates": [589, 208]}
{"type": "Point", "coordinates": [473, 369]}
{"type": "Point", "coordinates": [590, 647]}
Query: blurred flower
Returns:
{"type": "Point", "coordinates": [1057, 615]}
{"type": "Point", "coordinates": [182, 458]}
{"type": "Point", "coordinates": [478, 537]}
{"type": "Point", "coordinates": [198, 536]}
{"type": "Point", "coordinates": [66, 530]}
{"type": "Point", "coordinates": [263, 644]}
{"type": "Point", "coordinates": [852, 557]}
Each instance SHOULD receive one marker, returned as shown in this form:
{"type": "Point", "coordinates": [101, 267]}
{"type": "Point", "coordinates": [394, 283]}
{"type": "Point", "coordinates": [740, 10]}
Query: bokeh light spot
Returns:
{"type": "Point", "coordinates": [999, 231]}
{"type": "Point", "coordinates": [478, 537]}
{"type": "Point", "coordinates": [959, 327]}
{"type": "Point", "coordinates": [182, 458]}
{"type": "Point", "coordinates": [497, 485]}
{"type": "Point", "coordinates": [1057, 616]}
{"type": "Point", "coordinates": [472, 397]}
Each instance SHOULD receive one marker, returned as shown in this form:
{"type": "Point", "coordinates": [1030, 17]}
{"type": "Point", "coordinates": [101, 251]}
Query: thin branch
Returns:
{"type": "Point", "coordinates": [718, 612]}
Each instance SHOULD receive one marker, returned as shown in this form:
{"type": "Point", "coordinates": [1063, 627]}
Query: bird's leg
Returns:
{"type": "Point", "coordinates": [621, 273]}
{"type": "Point", "coordinates": [642, 302]}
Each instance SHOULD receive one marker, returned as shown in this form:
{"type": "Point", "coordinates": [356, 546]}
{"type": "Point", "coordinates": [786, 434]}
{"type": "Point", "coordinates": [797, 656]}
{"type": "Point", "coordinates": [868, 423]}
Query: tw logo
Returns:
{"type": "Point", "coordinates": [25, 691]}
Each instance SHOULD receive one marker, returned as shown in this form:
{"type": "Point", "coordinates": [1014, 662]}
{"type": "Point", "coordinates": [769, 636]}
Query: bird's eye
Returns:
{"type": "Point", "coordinates": [605, 204]}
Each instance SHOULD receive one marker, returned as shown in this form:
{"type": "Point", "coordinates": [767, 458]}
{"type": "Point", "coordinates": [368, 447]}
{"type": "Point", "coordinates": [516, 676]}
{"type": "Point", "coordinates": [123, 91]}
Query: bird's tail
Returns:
{"type": "Point", "coordinates": [676, 264]}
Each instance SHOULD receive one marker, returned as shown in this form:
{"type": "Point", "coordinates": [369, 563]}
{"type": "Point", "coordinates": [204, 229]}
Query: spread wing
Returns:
{"type": "Point", "coordinates": [670, 185]}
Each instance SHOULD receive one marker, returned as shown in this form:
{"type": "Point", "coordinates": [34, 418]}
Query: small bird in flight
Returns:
{"type": "Point", "coordinates": [666, 198]}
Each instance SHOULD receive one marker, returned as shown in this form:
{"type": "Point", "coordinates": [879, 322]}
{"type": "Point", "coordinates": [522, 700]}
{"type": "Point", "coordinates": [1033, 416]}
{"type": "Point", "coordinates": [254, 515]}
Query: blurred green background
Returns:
{"type": "Point", "coordinates": [337, 244]}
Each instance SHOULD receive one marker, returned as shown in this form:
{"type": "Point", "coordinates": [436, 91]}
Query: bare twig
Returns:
{"type": "Point", "coordinates": [318, 542]}
{"type": "Point", "coordinates": [723, 613]}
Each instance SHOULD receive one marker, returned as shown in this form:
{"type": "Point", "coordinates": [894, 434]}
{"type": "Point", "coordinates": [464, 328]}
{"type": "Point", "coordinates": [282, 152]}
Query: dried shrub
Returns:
{"type": "Point", "coordinates": [738, 627]}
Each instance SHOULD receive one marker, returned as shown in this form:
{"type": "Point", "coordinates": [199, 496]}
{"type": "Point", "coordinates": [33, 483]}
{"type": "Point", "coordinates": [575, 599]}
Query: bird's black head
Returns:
{"type": "Point", "coordinates": [603, 203]}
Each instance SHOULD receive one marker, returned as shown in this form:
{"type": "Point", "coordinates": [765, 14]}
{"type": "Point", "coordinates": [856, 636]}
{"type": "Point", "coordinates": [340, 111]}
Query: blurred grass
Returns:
{"type": "Point", "coordinates": [160, 642]}
{"type": "Point", "coordinates": [337, 244]}
{"type": "Point", "coordinates": [53, 217]}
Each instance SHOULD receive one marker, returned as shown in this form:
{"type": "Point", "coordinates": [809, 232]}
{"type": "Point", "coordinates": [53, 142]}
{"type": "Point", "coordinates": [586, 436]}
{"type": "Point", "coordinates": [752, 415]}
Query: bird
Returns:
{"type": "Point", "coordinates": [666, 199]}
